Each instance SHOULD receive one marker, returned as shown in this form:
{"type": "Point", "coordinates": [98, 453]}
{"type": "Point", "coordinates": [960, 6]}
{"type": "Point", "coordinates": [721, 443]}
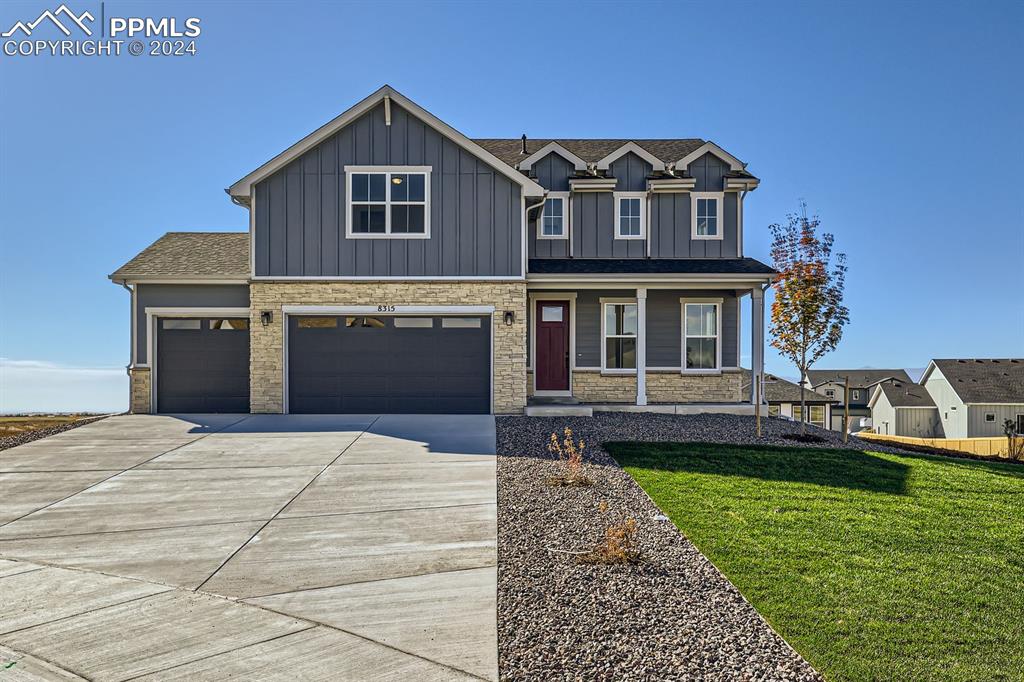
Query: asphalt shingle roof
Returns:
{"type": "Point", "coordinates": [590, 150]}
{"type": "Point", "coordinates": [582, 266]}
{"type": "Point", "coordinates": [904, 394]}
{"type": "Point", "coordinates": [779, 390]}
{"type": "Point", "coordinates": [191, 254]}
{"type": "Point", "coordinates": [992, 380]}
{"type": "Point", "coordinates": [859, 378]}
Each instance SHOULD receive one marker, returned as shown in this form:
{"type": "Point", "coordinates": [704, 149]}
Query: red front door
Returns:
{"type": "Point", "coordinates": [551, 366]}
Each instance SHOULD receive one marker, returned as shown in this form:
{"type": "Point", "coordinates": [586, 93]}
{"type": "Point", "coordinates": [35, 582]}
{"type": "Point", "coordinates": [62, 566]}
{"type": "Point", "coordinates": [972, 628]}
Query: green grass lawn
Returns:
{"type": "Point", "coordinates": [873, 566]}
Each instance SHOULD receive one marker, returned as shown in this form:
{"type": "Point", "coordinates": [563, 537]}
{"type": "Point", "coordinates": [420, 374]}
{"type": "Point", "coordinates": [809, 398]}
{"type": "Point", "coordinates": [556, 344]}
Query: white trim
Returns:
{"type": "Point", "coordinates": [664, 185]}
{"type": "Point", "coordinates": [740, 196]}
{"type": "Point", "coordinates": [252, 231]}
{"type": "Point", "coordinates": [711, 148]}
{"type": "Point", "coordinates": [287, 310]}
{"type": "Point", "coordinates": [182, 280]}
{"type": "Point", "coordinates": [564, 198]}
{"type": "Point", "coordinates": [604, 345]}
{"type": "Point", "coordinates": [527, 163]}
{"type": "Point", "coordinates": [718, 303]}
{"type": "Point", "coordinates": [242, 186]}
{"type": "Point", "coordinates": [642, 196]}
{"type": "Point", "coordinates": [154, 314]}
{"type": "Point", "coordinates": [134, 355]}
{"type": "Point", "coordinates": [592, 184]}
{"type": "Point", "coordinates": [650, 280]}
{"type": "Point", "coordinates": [387, 172]}
{"type": "Point", "coordinates": [398, 310]}
{"type": "Point", "coordinates": [641, 346]}
{"type": "Point", "coordinates": [633, 147]}
{"type": "Point", "coordinates": [719, 198]}
{"type": "Point", "coordinates": [532, 299]}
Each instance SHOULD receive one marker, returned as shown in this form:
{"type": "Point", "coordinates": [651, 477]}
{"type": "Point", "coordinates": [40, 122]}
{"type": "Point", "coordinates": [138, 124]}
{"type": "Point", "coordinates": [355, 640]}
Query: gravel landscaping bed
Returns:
{"type": "Point", "coordinates": [673, 616]}
{"type": "Point", "coordinates": [29, 436]}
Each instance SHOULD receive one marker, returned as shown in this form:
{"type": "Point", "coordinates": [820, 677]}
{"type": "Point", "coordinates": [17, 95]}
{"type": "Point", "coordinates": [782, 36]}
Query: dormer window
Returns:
{"type": "Point", "coordinates": [388, 202]}
{"type": "Point", "coordinates": [706, 215]}
{"type": "Point", "coordinates": [554, 217]}
{"type": "Point", "coordinates": [629, 215]}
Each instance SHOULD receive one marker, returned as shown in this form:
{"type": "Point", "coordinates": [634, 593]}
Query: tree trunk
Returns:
{"type": "Point", "coordinates": [803, 398]}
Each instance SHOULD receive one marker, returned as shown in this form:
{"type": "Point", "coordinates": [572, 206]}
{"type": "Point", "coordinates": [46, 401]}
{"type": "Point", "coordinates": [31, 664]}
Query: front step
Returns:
{"type": "Point", "coordinates": [555, 410]}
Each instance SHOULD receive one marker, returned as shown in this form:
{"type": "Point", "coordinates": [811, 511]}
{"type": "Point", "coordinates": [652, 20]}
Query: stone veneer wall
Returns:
{"type": "Point", "coordinates": [662, 387]}
{"type": "Point", "coordinates": [266, 343]}
{"type": "Point", "coordinates": [140, 391]}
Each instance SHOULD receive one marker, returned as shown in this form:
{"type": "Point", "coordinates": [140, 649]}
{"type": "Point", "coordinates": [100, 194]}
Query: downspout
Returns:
{"type": "Point", "coordinates": [647, 207]}
{"type": "Point", "coordinates": [527, 225]}
{"type": "Point", "coordinates": [131, 351]}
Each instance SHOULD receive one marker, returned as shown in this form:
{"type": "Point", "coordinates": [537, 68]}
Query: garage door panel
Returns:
{"type": "Point", "coordinates": [410, 368]}
{"type": "Point", "coordinates": [201, 369]}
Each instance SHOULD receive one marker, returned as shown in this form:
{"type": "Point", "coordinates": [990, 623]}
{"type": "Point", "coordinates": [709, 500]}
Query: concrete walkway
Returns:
{"type": "Point", "coordinates": [270, 546]}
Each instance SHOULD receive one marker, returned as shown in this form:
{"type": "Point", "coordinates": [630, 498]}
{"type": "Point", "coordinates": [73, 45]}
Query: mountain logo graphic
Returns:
{"type": "Point", "coordinates": [53, 16]}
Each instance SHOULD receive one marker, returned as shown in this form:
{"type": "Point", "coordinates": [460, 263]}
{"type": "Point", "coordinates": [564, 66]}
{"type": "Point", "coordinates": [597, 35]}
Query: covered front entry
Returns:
{"type": "Point", "coordinates": [360, 364]}
{"type": "Point", "coordinates": [202, 365]}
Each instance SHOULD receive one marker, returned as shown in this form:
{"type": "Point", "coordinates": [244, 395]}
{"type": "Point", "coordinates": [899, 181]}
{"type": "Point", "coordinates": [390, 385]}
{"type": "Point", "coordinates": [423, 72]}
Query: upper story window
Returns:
{"type": "Point", "coordinates": [706, 220]}
{"type": "Point", "coordinates": [388, 202]}
{"type": "Point", "coordinates": [702, 330]}
{"type": "Point", "coordinates": [554, 217]}
{"type": "Point", "coordinates": [630, 222]}
{"type": "Point", "coordinates": [830, 393]}
{"type": "Point", "coordinates": [619, 327]}
{"type": "Point", "coordinates": [855, 394]}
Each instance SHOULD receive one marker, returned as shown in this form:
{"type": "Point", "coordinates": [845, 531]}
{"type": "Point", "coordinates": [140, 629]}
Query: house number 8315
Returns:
{"type": "Point", "coordinates": [385, 309]}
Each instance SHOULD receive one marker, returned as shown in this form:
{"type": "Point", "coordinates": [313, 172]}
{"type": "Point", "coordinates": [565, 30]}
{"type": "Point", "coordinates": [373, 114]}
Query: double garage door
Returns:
{"type": "Point", "coordinates": [389, 364]}
{"type": "Point", "coordinates": [336, 364]}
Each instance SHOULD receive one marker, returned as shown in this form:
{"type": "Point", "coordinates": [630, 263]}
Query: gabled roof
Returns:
{"type": "Point", "coordinates": [902, 394]}
{"type": "Point", "coordinates": [779, 390]}
{"type": "Point", "coordinates": [859, 378]}
{"type": "Point", "coordinates": [982, 380]}
{"type": "Point", "coordinates": [593, 151]}
{"type": "Point", "coordinates": [550, 148]}
{"type": "Point", "coordinates": [190, 256]}
{"type": "Point", "coordinates": [711, 148]}
{"type": "Point", "coordinates": [241, 188]}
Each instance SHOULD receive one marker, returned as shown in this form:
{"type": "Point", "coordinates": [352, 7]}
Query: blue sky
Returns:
{"type": "Point", "coordinates": [899, 123]}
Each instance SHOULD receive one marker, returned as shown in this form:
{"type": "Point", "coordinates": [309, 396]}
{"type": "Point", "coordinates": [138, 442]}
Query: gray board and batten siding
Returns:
{"type": "Point", "coordinates": [593, 213]}
{"type": "Point", "coordinates": [475, 211]}
{"type": "Point", "coordinates": [181, 296]}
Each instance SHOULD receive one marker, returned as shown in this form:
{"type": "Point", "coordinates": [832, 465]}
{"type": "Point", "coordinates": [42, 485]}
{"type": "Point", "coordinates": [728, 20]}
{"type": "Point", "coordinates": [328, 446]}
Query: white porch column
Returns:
{"type": "Point", "coordinates": [756, 340]}
{"type": "Point", "coordinates": [641, 346]}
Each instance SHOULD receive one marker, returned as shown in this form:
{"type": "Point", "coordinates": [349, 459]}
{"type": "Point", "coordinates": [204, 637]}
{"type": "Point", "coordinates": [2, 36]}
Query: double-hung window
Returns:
{"type": "Point", "coordinates": [554, 217]}
{"type": "Point", "coordinates": [619, 331]}
{"type": "Point", "coordinates": [630, 220]}
{"type": "Point", "coordinates": [702, 331]}
{"type": "Point", "coordinates": [706, 215]}
{"type": "Point", "coordinates": [388, 202]}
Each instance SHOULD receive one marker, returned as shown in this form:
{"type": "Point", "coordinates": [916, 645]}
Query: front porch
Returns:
{"type": "Point", "coordinates": [668, 347]}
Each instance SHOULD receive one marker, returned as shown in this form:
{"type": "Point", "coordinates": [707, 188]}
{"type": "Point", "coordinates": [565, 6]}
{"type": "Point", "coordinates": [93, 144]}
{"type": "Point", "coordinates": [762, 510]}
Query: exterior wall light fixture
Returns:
{"type": "Point", "coordinates": [266, 317]}
{"type": "Point", "coordinates": [510, 317]}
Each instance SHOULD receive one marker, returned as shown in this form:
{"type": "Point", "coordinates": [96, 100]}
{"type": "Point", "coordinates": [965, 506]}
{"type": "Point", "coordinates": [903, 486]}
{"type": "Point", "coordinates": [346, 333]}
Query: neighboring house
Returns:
{"type": "Point", "coordinates": [900, 408]}
{"type": "Point", "coordinates": [830, 383]}
{"type": "Point", "coordinates": [394, 265]}
{"type": "Point", "coordinates": [974, 397]}
{"type": "Point", "coordinates": [783, 398]}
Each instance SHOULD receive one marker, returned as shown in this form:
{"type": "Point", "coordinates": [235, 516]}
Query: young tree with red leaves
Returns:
{"type": "Point", "coordinates": [808, 314]}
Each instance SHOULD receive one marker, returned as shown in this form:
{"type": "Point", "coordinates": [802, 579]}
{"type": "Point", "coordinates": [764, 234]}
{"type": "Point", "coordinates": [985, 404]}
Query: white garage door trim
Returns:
{"type": "Point", "coordinates": [382, 311]}
{"type": "Point", "coordinates": [154, 313]}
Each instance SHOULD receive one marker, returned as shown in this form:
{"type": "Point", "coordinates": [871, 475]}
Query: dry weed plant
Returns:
{"type": "Point", "coordinates": [619, 545]}
{"type": "Point", "coordinates": [570, 453]}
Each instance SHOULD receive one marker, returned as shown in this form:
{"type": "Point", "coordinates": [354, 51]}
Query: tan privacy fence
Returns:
{"type": "Point", "coordinates": [986, 447]}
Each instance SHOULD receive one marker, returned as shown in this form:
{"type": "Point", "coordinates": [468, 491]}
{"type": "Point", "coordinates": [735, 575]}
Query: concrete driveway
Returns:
{"type": "Point", "coordinates": [269, 546]}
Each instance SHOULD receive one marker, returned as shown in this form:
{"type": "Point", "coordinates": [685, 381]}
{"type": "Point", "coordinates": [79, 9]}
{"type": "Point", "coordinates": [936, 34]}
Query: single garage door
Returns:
{"type": "Point", "coordinates": [202, 365]}
{"type": "Point", "coordinates": [395, 365]}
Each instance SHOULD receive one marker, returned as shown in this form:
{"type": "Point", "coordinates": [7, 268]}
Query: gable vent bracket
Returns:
{"type": "Point", "coordinates": [387, 110]}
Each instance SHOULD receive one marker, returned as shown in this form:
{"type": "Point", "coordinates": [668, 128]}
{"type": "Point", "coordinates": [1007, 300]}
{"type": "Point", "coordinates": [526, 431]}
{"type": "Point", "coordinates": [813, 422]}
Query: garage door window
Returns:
{"type": "Point", "coordinates": [237, 324]}
{"type": "Point", "coordinates": [367, 322]}
{"type": "Point", "coordinates": [414, 322]}
{"type": "Point", "coordinates": [318, 323]}
{"type": "Point", "coordinates": [460, 322]}
{"type": "Point", "coordinates": [180, 324]}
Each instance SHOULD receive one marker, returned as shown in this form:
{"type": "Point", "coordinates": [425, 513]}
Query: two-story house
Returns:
{"type": "Point", "coordinates": [394, 265]}
{"type": "Point", "coordinates": [832, 382]}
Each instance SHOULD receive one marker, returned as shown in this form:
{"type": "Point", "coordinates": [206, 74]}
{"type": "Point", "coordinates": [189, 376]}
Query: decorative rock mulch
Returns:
{"type": "Point", "coordinates": [29, 436]}
{"type": "Point", "coordinates": [673, 616]}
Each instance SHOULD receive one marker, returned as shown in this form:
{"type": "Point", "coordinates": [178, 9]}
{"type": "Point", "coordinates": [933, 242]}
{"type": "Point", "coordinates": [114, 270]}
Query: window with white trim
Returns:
{"type": "Point", "coordinates": [388, 203]}
{"type": "Point", "coordinates": [855, 394]}
{"type": "Point", "coordinates": [630, 215]}
{"type": "Point", "coordinates": [990, 417]}
{"type": "Point", "coordinates": [701, 332]}
{"type": "Point", "coordinates": [830, 393]}
{"type": "Point", "coordinates": [706, 208]}
{"type": "Point", "coordinates": [553, 218]}
{"type": "Point", "coordinates": [619, 336]}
